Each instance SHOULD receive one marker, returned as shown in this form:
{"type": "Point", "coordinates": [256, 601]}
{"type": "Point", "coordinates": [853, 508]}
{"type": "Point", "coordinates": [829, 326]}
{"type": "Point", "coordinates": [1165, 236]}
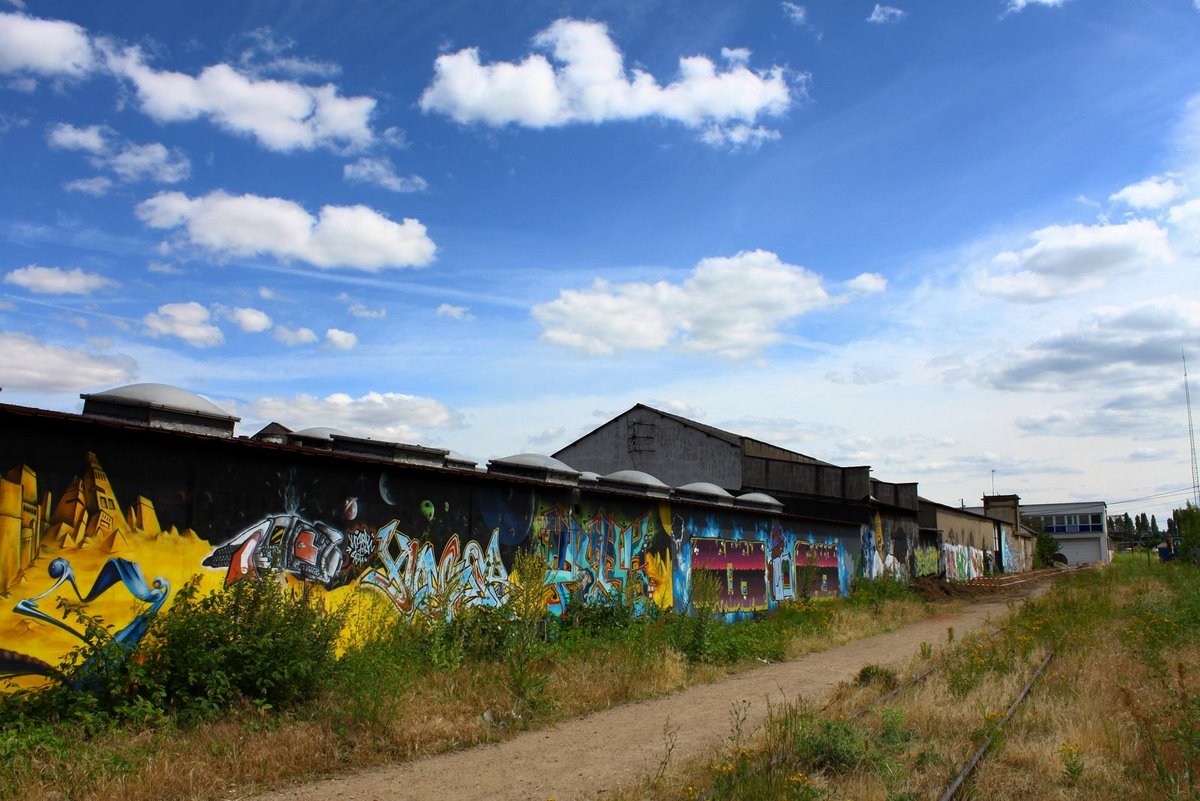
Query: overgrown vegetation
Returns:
{"type": "Point", "coordinates": [262, 681]}
{"type": "Point", "coordinates": [1116, 715]}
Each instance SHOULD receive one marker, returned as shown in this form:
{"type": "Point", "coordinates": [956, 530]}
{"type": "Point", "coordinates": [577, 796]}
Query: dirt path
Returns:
{"type": "Point", "coordinates": [584, 757]}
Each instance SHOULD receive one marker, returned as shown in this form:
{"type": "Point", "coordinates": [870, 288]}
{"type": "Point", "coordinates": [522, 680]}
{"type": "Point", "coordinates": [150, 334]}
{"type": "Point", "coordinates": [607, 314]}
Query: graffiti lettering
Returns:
{"type": "Point", "coordinates": [413, 580]}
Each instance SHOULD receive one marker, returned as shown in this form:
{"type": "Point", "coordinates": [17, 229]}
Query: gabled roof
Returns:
{"type": "Point", "coordinates": [737, 440]}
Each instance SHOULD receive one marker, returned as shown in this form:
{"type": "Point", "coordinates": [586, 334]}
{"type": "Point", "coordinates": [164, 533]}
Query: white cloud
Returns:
{"type": "Point", "coordinates": [97, 186]}
{"type": "Point", "coordinates": [867, 283]}
{"type": "Point", "coordinates": [188, 321]}
{"type": "Point", "coordinates": [1152, 193]}
{"type": "Point", "coordinates": [340, 340]}
{"type": "Point", "coordinates": [130, 162]}
{"type": "Point", "coordinates": [731, 307]}
{"type": "Point", "coordinates": [588, 83]}
{"type": "Point", "coordinates": [1019, 5]}
{"type": "Point", "coordinates": [1139, 345]}
{"type": "Point", "coordinates": [152, 162]}
{"type": "Point", "coordinates": [162, 268]}
{"type": "Point", "coordinates": [455, 312]}
{"type": "Point", "coordinates": [795, 12]}
{"type": "Point", "coordinates": [863, 375]}
{"type": "Point", "coordinates": [44, 47]}
{"type": "Point", "coordinates": [250, 225]}
{"type": "Point", "coordinates": [737, 136]}
{"type": "Point", "coordinates": [1185, 220]}
{"type": "Point", "coordinates": [294, 336]}
{"type": "Point", "coordinates": [266, 55]}
{"type": "Point", "coordinates": [380, 172]}
{"type": "Point", "coordinates": [92, 139]}
{"type": "Point", "coordinates": [57, 281]}
{"type": "Point", "coordinates": [36, 366]}
{"type": "Point", "coordinates": [266, 293]}
{"type": "Point", "coordinates": [1072, 259]}
{"type": "Point", "coordinates": [250, 320]}
{"type": "Point", "coordinates": [281, 115]}
{"type": "Point", "coordinates": [884, 14]}
{"type": "Point", "coordinates": [386, 415]}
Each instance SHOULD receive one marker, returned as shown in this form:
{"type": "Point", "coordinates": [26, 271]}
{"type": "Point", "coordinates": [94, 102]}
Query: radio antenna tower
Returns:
{"type": "Point", "coordinates": [1187, 393]}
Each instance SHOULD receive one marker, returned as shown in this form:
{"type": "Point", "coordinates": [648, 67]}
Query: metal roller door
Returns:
{"type": "Point", "coordinates": [1080, 552]}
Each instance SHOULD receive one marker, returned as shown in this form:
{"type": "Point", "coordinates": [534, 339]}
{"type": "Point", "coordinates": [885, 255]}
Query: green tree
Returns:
{"type": "Point", "coordinates": [1188, 520]}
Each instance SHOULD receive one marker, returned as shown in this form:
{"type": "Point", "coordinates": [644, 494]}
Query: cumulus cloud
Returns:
{"type": "Point", "coordinates": [36, 366]}
{"type": "Point", "coordinates": [867, 284]}
{"type": "Point", "coordinates": [280, 115]}
{"type": "Point", "coordinates": [1185, 222]}
{"type": "Point", "coordinates": [97, 186]}
{"type": "Point", "coordinates": [249, 225]}
{"type": "Point", "coordinates": [588, 83]}
{"type": "Point", "coordinates": [131, 162]}
{"type": "Point", "coordinates": [380, 172]}
{"type": "Point", "coordinates": [268, 53]}
{"type": "Point", "coordinates": [44, 47]}
{"type": "Point", "coordinates": [884, 14]}
{"type": "Point", "coordinates": [731, 307]}
{"type": "Point", "coordinates": [358, 309]}
{"type": "Point", "coordinates": [1152, 193]}
{"type": "Point", "coordinates": [188, 321]}
{"type": "Point", "coordinates": [91, 139]}
{"type": "Point", "coordinates": [1072, 259]}
{"type": "Point", "coordinates": [1110, 349]}
{"type": "Point", "coordinates": [338, 339]}
{"type": "Point", "coordinates": [57, 281]}
{"type": "Point", "coordinates": [294, 336]}
{"type": "Point", "coordinates": [863, 375]}
{"type": "Point", "coordinates": [454, 312]}
{"type": "Point", "coordinates": [385, 415]}
{"type": "Point", "coordinates": [250, 320]}
{"type": "Point", "coordinates": [795, 12]}
{"type": "Point", "coordinates": [1020, 5]}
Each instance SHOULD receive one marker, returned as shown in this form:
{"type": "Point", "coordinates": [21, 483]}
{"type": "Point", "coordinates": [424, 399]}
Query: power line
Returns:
{"type": "Point", "coordinates": [1177, 493]}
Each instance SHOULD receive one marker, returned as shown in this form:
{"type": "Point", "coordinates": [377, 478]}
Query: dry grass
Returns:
{"type": "Point", "coordinates": [250, 750]}
{"type": "Point", "coordinates": [1108, 718]}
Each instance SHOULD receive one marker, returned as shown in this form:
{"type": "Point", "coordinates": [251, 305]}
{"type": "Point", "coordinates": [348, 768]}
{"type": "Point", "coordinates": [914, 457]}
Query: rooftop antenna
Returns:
{"type": "Point", "coordinates": [994, 482]}
{"type": "Point", "coordinates": [1187, 393]}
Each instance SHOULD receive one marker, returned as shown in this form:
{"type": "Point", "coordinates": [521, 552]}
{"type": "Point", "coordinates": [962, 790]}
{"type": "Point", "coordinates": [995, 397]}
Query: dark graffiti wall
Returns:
{"type": "Point", "coordinates": [117, 517]}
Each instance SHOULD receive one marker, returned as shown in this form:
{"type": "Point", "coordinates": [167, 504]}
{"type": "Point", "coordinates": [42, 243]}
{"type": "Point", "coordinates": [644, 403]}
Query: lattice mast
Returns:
{"type": "Point", "coordinates": [1187, 393]}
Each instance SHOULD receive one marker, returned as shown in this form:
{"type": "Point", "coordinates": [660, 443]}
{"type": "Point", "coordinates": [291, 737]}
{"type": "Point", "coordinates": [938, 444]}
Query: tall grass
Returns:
{"type": "Point", "coordinates": [252, 685]}
{"type": "Point", "coordinates": [1117, 715]}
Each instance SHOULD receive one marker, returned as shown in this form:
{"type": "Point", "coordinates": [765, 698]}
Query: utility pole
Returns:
{"type": "Point", "coordinates": [1187, 394]}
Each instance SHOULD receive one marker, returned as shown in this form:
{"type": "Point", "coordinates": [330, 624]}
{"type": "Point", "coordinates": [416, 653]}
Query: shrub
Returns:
{"type": "Point", "coordinates": [259, 641]}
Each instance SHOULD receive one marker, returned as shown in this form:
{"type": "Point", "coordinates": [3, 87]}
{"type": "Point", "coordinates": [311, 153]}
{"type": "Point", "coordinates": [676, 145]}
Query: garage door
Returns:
{"type": "Point", "coordinates": [1080, 552]}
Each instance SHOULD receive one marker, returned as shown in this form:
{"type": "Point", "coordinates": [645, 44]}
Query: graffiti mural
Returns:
{"type": "Point", "coordinates": [925, 560]}
{"type": "Point", "coordinates": [417, 540]}
{"type": "Point", "coordinates": [115, 571]}
{"type": "Point", "coordinates": [963, 562]}
{"type": "Point", "coordinates": [741, 568]}
{"type": "Point", "coordinates": [818, 561]}
{"type": "Point", "coordinates": [84, 534]}
{"type": "Point", "coordinates": [414, 580]}
{"type": "Point", "coordinates": [602, 556]}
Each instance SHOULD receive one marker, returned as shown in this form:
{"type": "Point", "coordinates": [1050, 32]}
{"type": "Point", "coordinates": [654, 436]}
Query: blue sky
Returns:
{"type": "Point", "coordinates": [939, 238]}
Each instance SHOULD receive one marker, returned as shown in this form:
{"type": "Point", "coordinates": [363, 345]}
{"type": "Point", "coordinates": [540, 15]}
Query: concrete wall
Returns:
{"type": "Point", "coordinates": [672, 452]}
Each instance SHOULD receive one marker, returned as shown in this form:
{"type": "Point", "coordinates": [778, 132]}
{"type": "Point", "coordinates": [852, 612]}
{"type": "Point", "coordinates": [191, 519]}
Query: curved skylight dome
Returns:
{"type": "Point", "coordinates": [704, 488]}
{"type": "Point", "coordinates": [759, 497]}
{"type": "Point", "coordinates": [536, 460]}
{"type": "Point", "coordinates": [634, 477]}
{"type": "Point", "coordinates": [319, 432]}
{"type": "Point", "coordinates": [164, 396]}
